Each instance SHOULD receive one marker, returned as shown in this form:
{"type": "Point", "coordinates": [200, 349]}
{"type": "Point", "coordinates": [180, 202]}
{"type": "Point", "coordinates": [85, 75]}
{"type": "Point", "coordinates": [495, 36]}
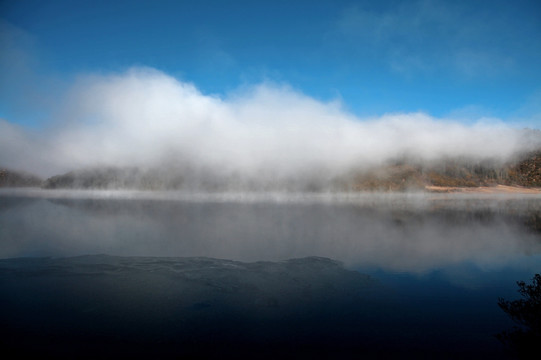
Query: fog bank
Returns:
{"type": "Point", "coordinates": [147, 118]}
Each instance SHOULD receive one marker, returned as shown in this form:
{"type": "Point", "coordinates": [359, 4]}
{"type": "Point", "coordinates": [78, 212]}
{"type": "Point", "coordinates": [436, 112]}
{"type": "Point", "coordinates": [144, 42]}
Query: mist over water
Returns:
{"type": "Point", "coordinates": [421, 272]}
{"type": "Point", "coordinates": [398, 232]}
{"type": "Point", "coordinates": [249, 235]}
{"type": "Point", "coordinates": [236, 273]}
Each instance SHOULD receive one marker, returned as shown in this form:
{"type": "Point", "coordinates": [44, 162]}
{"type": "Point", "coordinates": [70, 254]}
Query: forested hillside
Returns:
{"type": "Point", "coordinates": [399, 175]}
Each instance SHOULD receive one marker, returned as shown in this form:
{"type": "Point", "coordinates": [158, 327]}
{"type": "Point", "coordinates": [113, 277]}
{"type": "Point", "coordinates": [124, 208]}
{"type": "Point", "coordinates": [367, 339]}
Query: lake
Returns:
{"type": "Point", "coordinates": [325, 275]}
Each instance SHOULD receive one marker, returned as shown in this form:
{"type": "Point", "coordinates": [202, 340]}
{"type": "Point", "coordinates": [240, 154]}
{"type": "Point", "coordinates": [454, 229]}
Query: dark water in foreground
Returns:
{"type": "Point", "coordinates": [411, 276]}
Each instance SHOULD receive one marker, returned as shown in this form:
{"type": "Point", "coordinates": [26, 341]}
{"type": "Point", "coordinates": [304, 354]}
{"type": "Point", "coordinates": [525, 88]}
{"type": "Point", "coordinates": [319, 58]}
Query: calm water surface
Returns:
{"type": "Point", "coordinates": [421, 277]}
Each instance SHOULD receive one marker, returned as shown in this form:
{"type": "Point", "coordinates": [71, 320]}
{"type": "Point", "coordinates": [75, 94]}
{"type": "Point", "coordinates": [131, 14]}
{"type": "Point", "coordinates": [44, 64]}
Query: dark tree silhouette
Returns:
{"type": "Point", "coordinates": [525, 338]}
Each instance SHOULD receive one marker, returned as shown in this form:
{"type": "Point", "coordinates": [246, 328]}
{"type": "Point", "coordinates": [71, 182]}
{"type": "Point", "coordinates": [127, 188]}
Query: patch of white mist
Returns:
{"type": "Point", "coordinates": [147, 118]}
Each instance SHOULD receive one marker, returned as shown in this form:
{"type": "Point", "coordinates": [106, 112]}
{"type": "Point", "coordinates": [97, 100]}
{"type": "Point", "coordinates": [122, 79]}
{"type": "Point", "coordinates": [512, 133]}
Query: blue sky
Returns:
{"type": "Point", "coordinates": [460, 59]}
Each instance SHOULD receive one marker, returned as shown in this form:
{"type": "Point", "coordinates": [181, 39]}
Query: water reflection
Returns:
{"type": "Point", "coordinates": [412, 233]}
{"type": "Point", "coordinates": [436, 265]}
{"type": "Point", "coordinates": [190, 307]}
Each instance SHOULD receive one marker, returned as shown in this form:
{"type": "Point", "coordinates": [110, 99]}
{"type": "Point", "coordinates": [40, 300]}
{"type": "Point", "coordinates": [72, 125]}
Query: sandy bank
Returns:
{"type": "Point", "coordinates": [498, 189]}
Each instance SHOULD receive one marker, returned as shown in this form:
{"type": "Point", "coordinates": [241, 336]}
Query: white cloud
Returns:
{"type": "Point", "coordinates": [24, 150]}
{"type": "Point", "coordinates": [145, 117]}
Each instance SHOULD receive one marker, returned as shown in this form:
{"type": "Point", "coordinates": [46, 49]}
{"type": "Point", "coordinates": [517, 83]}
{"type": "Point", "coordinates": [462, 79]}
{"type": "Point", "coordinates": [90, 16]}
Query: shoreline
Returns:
{"type": "Point", "coordinates": [253, 195]}
{"type": "Point", "coordinates": [497, 189]}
